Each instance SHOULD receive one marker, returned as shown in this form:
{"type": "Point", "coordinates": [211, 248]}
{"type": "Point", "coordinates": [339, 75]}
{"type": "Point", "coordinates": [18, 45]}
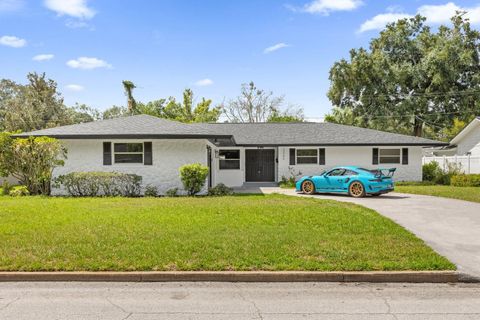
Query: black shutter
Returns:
{"type": "Point", "coordinates": [375, 156]}
{"type": "Point", "coordinates": [405, 156]}
{"type": "Point", "coordinates": [321, 156]}
{"type": "Point", "coordinates": [107, 153]}
{"type": "Point", "coordinates": [292, 156]}
{"type": "Point", "coordinates": [147, 153]}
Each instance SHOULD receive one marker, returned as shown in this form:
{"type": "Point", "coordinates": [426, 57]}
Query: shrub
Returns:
{"type": "Point", "coordinates": [31, 160]}
{"type": "Point", "coordinates": [6, 188]}
{"type": "Point", "coordinates": [220, 190]}
{"type": "Point", "coordinates": [430, 171]}
{"type": "Point", "coordinates": [466, 180]}
{"type": "Point", "coordinates": [93, 184]}
{"type": "Point", "coordinates": [173, 192]}
{"type": "Point", "coordinates": [289, 182]}
{"type": "Point", "coordinates": [193, 177]}
{"type": "Point", "coordinates": [19, 191]}
{"type": "Point", "coordinates": [151, 191]}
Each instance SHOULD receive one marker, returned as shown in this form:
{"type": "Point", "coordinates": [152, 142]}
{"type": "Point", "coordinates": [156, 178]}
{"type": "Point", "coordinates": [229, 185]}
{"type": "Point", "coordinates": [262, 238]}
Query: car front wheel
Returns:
{"type": "Point", "coordinates": [308, 187]}
{"type": "Point", "coordinates": [356, 190]}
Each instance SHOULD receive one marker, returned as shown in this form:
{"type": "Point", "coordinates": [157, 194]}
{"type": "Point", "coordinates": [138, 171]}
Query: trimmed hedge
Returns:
{"type": "Point", "coordinates": [95, 184]}
{"type": "Point", "coordinates": [466, 180]}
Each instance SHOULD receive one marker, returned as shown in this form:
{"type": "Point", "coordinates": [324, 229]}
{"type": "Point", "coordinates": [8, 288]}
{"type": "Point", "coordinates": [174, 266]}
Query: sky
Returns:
{"type": "Point", "coordinates": [210, 46]}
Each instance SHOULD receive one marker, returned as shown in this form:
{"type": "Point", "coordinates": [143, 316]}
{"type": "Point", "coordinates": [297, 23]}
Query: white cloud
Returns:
{"type": "Point", "coordinates": [74, 8]}
{"type": "Point", "coordinates": [88, 63]}
{"type": "Point", "coordinates": [204, 82]}
{"type": "Point", "coordinates": [381, 20]}
{"type": "Point", "coordinates": [10, 5]}
{"type": "Point", "coordinates": [275, 47]}
{"type": "Point", "coordinates": [435, 14]}
{"type": "Point", "coordinates": [12, 41]}
{"type": "Point", "coordinates": [74, 87]}
{"type": "Point", "coordinates": [438, 14]}
{"type": "Point", "coordinates": [326, 6]}
{"type": "Point", "coordinates": [43, 57]}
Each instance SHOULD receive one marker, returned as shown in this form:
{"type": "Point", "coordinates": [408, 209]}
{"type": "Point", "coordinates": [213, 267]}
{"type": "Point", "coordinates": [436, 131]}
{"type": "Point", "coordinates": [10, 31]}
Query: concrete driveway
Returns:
{"type": "Point", "coordinates": [451, 227]}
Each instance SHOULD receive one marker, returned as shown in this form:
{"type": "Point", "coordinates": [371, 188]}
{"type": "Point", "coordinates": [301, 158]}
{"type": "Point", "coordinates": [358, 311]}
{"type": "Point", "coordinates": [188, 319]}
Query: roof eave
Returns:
{"type": "Point", "coordinates": [126, 136]}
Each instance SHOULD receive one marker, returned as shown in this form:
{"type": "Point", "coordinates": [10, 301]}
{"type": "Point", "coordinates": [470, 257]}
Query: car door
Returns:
{"type": "Point", "coordinates": [332, 180]}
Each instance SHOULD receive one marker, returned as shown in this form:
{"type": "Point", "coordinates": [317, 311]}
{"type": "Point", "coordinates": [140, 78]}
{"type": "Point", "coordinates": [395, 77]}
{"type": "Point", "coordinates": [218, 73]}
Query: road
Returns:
{"type": "Point", "coordinates": [451, 227]}
{"type": "Point", "coordinates": [206, 300]}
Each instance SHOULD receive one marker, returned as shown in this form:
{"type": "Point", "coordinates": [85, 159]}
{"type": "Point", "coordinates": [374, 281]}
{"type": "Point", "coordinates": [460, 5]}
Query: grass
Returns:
{"type": "Point", "coordinates": [461, 193]}
{"type": "Point", "coordinates": [251, 232]}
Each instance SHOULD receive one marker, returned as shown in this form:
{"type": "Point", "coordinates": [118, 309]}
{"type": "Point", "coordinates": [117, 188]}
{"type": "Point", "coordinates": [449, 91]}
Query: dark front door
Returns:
{"type": "Point", "coordinates": [260, 165]}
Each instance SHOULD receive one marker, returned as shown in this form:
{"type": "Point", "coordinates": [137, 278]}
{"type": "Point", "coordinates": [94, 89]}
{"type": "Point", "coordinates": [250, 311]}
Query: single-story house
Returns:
{"type": "Point", "coordinates": [467, 142]}
{"type": "Point", "coordinates": [236, 153]}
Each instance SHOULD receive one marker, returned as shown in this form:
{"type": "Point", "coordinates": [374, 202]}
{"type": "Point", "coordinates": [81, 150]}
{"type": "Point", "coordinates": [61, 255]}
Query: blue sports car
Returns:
{"type": "Point", "coordinates": [355, 181]}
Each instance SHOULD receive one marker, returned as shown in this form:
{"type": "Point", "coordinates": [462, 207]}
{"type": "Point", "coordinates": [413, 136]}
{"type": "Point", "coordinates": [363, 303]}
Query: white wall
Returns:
{"type": "Point", "coordinates": [470, 143]}
{"type": "Point", "coordinates": [168, 156]}
{"type": "Point", "coordinates": [355, 156]}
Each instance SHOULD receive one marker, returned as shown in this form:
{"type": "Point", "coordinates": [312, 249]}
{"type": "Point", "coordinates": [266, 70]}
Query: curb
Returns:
{"type": "Point", "coordinates": [237, 276]}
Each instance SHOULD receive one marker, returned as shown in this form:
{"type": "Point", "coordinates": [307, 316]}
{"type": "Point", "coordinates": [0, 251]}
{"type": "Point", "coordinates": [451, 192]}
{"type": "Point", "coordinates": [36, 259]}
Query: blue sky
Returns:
{"type": "Point", "coordinates": [213, 47]}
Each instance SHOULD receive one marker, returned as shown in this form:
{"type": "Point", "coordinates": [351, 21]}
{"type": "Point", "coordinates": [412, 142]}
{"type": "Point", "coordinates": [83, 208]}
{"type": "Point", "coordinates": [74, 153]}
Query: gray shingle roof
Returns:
{"type": "Point", "coordinates": [247, 134]}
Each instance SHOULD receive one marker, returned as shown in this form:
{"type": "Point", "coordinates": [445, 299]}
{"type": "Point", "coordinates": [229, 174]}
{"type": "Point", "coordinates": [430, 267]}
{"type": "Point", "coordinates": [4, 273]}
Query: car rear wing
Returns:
{"type": "Point", "coordinates": [384, 172]}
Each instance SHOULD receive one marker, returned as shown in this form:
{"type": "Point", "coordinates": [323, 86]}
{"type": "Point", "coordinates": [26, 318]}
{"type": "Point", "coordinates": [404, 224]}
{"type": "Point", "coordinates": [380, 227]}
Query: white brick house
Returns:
{"type": "Point", "coordinates": [235, 153]}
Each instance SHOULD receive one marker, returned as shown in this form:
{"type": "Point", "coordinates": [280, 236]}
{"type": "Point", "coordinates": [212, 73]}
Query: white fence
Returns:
{"type": "Point", "coordinates": [468, 164]}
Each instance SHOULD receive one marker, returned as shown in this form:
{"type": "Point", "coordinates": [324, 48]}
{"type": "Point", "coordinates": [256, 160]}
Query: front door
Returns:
{"type": "Point", "coordinates": [259, 165]}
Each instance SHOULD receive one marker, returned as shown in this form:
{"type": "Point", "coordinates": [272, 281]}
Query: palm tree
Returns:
{"type": "Point", "coordinates": [132, 104]}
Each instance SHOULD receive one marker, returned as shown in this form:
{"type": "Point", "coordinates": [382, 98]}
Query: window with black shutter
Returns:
{"type": "Point", "coordinates": [292, 156]}
{"type": "Point", "coordinates": [321, 156]}
{"type": "Point", "coordinates": [375, 156]}
{"type": "Point", "coordinates": [147, 154]}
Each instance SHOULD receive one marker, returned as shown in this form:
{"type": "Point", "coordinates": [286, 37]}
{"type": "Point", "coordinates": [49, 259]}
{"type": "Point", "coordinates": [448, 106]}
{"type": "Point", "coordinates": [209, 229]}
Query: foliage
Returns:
{"type": "Point", "coordinates": [172, 192]}
{"type": "Point", "coordinates": [94, 184]}
{"type": "Point", "coordinates": [220, 190]}
{"type": "Point", "coordinates": [151, 191]}
{"type": "Point", "coordinates": [411, 78]}
{"type": "Point", "coordinates": [457, 126]}
{"type": "Point", "coordinates": [81, 113]}
{"type": "Point", "coordinates": [19, 191]}
{"type": "Point", "coordinates": [256, 105]}
{"type": "Point", "coordinates": [432, 172]}
{"type": "Point", "coordinates": [466, 180]}
{"type": "Point", "coordinates": [193, 177]}
{"type": "Point", "coordinates": [6, 188]}
{"type": "Point", "coordinates": [31, 160]}
{"type": "Point", "coordinates": [289, 182]}
{"type": "Point", "coordinates": [248, 232]}
{"type": "Point", "coordinates": [114, 112]}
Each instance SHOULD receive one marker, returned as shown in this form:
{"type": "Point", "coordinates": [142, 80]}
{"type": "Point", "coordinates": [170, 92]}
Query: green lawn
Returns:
{"type": "Point", "coordinates": [462, 193]}
{"type": "Point", "coordinates": [251, 232]}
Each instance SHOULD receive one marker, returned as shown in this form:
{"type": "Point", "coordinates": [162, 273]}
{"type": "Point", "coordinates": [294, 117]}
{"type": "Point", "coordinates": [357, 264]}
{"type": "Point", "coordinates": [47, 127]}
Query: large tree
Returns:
{"type": "Point", "coordinates": [33, 106]}
{"type": "Point", "coordinates": [257, 105]}
{"type": "Point", "coordinates": [411, 78]}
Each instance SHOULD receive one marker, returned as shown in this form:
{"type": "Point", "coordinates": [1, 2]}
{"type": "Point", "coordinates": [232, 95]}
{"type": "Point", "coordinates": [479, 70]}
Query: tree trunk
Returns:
{"type": "Point", "coordinates": [417, 127]}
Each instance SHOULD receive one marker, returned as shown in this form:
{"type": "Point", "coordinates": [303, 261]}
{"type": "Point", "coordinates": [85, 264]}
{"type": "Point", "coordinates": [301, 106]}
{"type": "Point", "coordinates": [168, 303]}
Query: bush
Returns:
{"type": "Point", "coordinates": [193, 177]}
{"type": "Point", "coordinates": [220, 190]}
{"type": "Point", "coordinates": [19, 191]}
{"type": "Point", "coordinates": [173, 192]}
{"type": "Point", "coordinates": [6, 188]}
{"type": "Point", "coordinates": [432, 172]}
{"type": "Point", "coordinates": [414, 183]}
{"type": "Point", "coordinates": [94, 184]}
{"type": "Point", "coordinates": [466, 180]}
{"type": "Point", "coordinates": [151, 191]}
{"type": "Point", "coordinates": [289, 182]}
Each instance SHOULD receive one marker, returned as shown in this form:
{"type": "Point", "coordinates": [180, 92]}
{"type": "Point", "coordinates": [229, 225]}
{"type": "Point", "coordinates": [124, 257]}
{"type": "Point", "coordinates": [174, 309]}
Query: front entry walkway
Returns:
{"type": "Point", "coordinates": [451, 227]}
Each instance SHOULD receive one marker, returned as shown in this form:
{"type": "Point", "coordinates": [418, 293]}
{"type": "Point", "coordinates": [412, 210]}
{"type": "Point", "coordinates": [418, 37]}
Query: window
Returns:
{"type": "Point", "coordinates": [229, 159]}
{"type": "Point", "coordinates": [389, 156]}
{"type": "Point", "coordinates": [336, 172]}
{"type": "Point", "coordinates": [307, 156]}
{"type": "Point", "coordinates": [128, 152]}
{"type": "Point", "coordinates": [350, 173]}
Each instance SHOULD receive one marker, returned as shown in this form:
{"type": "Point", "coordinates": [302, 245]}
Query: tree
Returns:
{"type": "Point", "coordinates": [81, 113]}
{"type": "Point", "coordinates": [256, 105]}
{"type": "Point", "coordinates": [411, 77]}
{"type": "Point", "coordinates": [31, 160]}
{"type": "Point", "coordinates": [193, 177]}
{"type": "Point", "coordinates": [131, 103]}
{"type": "Point", "coordinates": [34, 106]}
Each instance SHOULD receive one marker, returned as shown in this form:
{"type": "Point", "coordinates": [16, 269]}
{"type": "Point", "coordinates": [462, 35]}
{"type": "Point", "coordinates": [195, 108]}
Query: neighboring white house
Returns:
{"type": "Point", "coordinates": [463, 150]}
{"type": "Point", "coordinates": [235, 153]}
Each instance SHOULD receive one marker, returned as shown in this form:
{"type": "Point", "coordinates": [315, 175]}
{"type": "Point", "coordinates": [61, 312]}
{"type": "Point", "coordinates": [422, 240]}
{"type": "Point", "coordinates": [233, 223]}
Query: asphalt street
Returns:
{"type": "Point", "coordinates": [207, 300]}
